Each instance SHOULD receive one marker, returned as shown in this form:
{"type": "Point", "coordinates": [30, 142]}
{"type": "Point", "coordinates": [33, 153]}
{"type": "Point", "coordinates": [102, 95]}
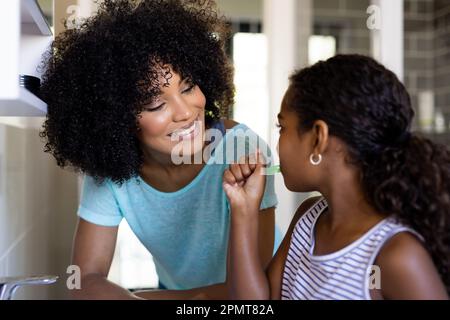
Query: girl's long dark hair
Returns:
{"type": "Point", "coordinates": [402, 173]}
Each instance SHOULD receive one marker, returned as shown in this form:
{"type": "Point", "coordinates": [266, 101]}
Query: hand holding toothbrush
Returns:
{"type": "Point", "coordinates": [244, 183]}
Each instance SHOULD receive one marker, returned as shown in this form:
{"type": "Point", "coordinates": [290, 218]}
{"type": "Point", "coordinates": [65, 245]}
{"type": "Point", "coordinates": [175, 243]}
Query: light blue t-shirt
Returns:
{"type": "Point", "coordinates": [185, 231]}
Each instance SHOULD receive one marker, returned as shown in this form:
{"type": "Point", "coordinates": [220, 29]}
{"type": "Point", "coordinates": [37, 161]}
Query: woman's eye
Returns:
{"type": "Point", "coordinates": [159, 107]}
{"type": "Point", "coordinates": [189, 89]}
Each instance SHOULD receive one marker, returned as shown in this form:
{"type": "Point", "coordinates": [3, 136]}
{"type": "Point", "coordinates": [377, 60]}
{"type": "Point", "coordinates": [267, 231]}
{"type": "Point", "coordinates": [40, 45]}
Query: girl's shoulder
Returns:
{"type": "Point", "coordinates": [304, 208]}
{"type": "Point", "coordinates": [407, 269]}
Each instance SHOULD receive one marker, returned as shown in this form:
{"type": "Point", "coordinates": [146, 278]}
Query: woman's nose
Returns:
{"type": "Point", "coordinates": [182, 111]}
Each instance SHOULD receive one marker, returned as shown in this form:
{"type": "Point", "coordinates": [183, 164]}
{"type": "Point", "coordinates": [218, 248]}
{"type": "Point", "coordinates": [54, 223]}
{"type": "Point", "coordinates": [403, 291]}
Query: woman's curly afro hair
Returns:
{"type": "Point", "coordinates": [98, 76]}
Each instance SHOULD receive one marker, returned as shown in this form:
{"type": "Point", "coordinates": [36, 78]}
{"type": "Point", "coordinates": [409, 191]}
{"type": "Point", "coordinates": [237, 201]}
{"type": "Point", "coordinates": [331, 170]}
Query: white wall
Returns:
{"type": "Point", "coordinates": [38, 201]}
{"type": "Point", "coordinates": [37, 212]}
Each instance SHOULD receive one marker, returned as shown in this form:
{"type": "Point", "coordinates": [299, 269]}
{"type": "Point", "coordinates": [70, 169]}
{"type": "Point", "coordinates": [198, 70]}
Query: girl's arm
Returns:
{"type": "Point", "coordinates": [248, 280]}
{"type": "Point", "coordinates": [275, 269]}
{"type": "Point", "coordinates": [245, 274]}
{"type": "Point", "coordinates": [407, 271]}
{"type": "Point", "coordinates": [244, 185]}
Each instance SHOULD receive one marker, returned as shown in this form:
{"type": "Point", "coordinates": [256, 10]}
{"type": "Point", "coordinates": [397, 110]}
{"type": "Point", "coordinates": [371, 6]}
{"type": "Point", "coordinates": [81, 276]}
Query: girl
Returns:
{"type": "Point", "coordinates": [124, 91]}
{"type": "Point", "coordinates": [381, 230]}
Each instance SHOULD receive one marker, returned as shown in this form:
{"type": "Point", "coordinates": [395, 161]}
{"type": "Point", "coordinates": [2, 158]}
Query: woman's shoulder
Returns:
{"type": "Point", "coordinates": [238, 128]}
{"type": "Point", "coordinates": [229, 124]}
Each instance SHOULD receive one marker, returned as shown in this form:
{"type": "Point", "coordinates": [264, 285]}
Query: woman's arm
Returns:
{"type": "Point", "coordinates": [220, 291]}
{"type": "Point", "coordinates": [93, 252]}
{"type": "Point", "coordinates": [213, 292]}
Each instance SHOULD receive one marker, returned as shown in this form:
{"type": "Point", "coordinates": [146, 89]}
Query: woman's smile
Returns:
{"type": "Point", "coordinates": [188, 132]}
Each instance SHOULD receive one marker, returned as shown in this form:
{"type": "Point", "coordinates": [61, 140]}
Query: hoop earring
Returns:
{"type": "Point", "coordinates": [314, 162]}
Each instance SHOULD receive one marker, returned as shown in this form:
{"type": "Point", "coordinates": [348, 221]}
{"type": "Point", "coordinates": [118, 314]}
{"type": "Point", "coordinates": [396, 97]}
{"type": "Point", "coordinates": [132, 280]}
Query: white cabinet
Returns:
{"type": "Point", "coordinates": [25, 36]}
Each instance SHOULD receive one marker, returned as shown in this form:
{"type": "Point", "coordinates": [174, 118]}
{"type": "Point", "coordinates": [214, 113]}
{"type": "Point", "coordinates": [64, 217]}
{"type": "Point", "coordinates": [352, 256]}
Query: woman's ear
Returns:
{"type": "Point", "coordinates": [320, 130]}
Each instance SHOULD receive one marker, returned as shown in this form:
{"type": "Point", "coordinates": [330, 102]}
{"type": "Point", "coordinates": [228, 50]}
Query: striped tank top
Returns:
{"type": "Point", "coordinates": [342, 275]}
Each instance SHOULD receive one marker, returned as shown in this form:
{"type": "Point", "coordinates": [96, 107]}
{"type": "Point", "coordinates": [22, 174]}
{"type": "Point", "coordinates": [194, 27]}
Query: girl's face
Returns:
{"type": "Point", "coordinates": [294, 149]}
{"type": "Point", "coordinates": [175, 118]}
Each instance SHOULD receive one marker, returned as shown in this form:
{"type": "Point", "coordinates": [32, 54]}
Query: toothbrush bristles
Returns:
{"type": "Point", "coordinates": [272, 170]}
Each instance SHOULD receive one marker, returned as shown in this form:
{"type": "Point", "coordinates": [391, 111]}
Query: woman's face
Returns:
{"type": "Point", "coordinates": [175, 118]}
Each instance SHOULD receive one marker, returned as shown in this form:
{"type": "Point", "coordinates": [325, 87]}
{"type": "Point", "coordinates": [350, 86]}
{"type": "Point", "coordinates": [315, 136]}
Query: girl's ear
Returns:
{"type": "Point", "coordinates": [320, 130]}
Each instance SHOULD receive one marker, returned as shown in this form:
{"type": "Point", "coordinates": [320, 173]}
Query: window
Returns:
{"type": "Point", "coordinates": [132, 266]}
{"type": "Point", "coordinates": [252, 101]}
{"type": "Point", "coordinates": [321, 48]}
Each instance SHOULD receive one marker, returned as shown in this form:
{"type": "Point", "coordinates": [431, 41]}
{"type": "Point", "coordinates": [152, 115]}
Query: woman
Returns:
{"type": "Point", "coordinates": [131, 91]}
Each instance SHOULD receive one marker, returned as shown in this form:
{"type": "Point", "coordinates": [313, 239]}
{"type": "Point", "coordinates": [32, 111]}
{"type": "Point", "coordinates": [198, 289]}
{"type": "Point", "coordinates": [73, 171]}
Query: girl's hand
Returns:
{"type": "Point", "coordinates": [244, 183]}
